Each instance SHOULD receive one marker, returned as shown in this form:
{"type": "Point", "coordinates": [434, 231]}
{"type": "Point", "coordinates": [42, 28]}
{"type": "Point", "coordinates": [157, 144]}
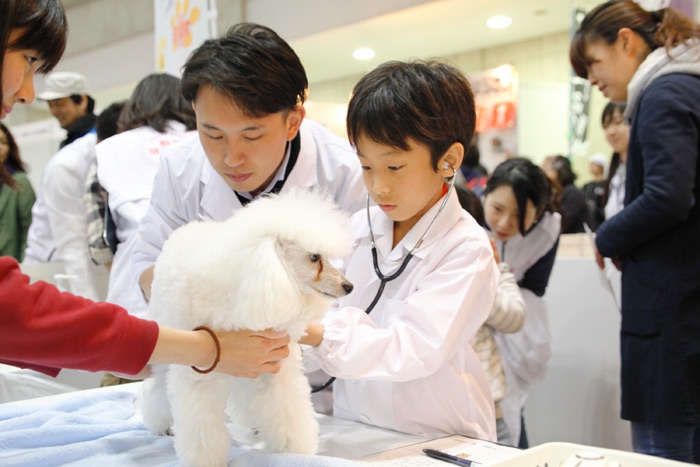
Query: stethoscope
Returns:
{"type": "Point", "coordinates": [383, 279]}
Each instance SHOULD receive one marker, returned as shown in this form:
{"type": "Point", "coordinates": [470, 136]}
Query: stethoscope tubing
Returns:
{"type": "Point", "coordinates": [383, 279]}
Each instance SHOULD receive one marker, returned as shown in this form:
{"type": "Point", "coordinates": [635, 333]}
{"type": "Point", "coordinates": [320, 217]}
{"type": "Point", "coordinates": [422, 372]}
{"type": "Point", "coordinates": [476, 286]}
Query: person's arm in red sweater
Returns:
{"type": "Point", "coordinates": [46, 330]}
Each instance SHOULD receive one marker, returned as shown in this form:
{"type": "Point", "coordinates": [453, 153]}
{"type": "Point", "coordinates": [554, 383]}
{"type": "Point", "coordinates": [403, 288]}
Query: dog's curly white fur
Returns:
{"type": "Point", "coordinates": [266, 267]}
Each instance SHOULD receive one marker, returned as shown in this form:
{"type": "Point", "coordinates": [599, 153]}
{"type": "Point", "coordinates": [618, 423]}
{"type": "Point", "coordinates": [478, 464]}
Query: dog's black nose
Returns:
{"type": "Point", "coordinates": [347, 286]}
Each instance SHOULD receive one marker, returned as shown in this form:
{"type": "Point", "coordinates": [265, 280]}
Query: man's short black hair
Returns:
{"type": "Point", "coordinates": [252, 66]}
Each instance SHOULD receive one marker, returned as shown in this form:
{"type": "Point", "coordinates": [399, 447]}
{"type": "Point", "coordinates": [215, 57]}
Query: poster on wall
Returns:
{"type": "Point", "coordinates": [496, 99]}
{"type": "Point", "coordinates": [180, 27]}
{"type": "Point", "coordinates": [579, 97]}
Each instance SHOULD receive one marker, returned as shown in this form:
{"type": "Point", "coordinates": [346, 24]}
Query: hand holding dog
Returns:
{"type": "Point", "coordinates": [247, 353]}
{"type": "Point", "coordinates": [244, 353]}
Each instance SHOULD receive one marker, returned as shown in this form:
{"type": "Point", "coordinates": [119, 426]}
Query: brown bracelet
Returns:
{"type": "Point", "coordinates": [218, 350]}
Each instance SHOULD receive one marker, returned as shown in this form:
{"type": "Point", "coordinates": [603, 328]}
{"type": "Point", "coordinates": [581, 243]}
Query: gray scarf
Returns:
{"type": "Point", "coordinates": [684, 58]}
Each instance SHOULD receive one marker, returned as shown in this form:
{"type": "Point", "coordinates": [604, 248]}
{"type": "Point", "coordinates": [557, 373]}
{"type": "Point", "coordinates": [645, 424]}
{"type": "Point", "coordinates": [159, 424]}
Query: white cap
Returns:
{"type": "Point", "coordinates": [599, 159]}
{"type": "Point", "coordinates": [63, 84]}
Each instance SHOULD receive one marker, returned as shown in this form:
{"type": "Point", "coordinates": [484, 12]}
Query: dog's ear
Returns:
{"type": "Point", "coordinates": [267, 297]}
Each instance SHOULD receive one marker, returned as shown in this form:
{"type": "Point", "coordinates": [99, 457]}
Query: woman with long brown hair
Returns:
{"type": "Point", "coordinates": [651, 60]}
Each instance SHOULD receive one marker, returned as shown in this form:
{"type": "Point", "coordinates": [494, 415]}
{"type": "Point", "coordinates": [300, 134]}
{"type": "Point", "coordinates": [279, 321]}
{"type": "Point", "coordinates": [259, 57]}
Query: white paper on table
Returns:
{"type": "Point", "coordinates": [609, 276]}
{"type": "Point", "coordinates": [468, 448]}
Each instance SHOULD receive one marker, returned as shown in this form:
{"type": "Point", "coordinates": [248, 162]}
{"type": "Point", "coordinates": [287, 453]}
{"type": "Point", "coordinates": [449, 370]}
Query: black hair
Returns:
{"type": "Point", "coordinates": [471, 203]}
{"type": "Point", "coordinates": [662, 28]}
{"type": "Point", "coordinates": [562, 166]}
{"type": "Point", "coordinates": [106, 124]}
{"type": "Point", "coordinates": [155, 101]}
{"type": "Point", "coordinates": [430, 102]}
{"type": "Point", "coordinates": [45, 30]}
{"type": "Point", "coordinates": [471, 157]}
{"type": "Point", "coordinates": [13, 158]}
{"type": "Point", "coordinates": [78, 98]}
{"type": "Point", "coordinates": [608, 114]}
{"type": "Point", "coordinates": [252, 66]}
{"type": "Point", "coordinates": [528, 182]}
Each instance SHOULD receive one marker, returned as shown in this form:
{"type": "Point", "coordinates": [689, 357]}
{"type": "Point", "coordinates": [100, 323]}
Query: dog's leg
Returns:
{"type": "Point", "coordinates": [156, 407]}
{"type": "Point", "coordinates": [282, 409]}
{"type": "Point", "coordinates": [199, 418]}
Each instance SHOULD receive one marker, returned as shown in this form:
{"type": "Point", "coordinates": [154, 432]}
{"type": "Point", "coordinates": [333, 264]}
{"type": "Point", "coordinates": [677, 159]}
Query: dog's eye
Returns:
{"type": "Point", "coordinates": [314, 258]}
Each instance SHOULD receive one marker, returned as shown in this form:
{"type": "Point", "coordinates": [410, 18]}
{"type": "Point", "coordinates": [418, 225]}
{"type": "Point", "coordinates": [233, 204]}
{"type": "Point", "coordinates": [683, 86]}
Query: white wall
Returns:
{"type": "Point", "coordinates": [543, 71]}
{"type": "Point", "coordinates": [37, 142]}
{"type": "Point", "coordinates": [579, 399]}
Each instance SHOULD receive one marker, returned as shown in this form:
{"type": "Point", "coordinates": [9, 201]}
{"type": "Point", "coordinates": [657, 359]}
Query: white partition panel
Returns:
{"type": "Point", "coordinates": [579, 400]}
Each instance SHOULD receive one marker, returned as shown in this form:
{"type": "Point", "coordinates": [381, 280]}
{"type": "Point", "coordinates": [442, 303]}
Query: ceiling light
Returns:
{"type": "Point", "coordinates": [499, 22]}
{"type": "Point", "coordinates": [363, 54]}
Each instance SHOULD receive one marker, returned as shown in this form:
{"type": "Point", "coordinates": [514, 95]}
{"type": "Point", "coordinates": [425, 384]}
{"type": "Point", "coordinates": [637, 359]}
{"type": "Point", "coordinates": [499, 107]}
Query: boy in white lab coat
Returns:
{"type": "Point", "coordinates": [403, 357]}
{"type": "Point", "coordinates": [247, 88]}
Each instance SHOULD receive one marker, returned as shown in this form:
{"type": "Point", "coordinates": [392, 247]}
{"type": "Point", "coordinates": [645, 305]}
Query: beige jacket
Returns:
{"type": "Point", "coordinates": [507, 316]}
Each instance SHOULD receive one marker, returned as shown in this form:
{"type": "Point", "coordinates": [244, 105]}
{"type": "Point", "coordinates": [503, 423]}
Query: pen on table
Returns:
{"type": "Point", "coordinates": [443, 456]}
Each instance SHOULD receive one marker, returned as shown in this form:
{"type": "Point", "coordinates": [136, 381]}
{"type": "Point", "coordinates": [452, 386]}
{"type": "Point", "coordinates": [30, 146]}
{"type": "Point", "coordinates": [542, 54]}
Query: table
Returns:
{"type": "Point", "coordinates": [103, 427]}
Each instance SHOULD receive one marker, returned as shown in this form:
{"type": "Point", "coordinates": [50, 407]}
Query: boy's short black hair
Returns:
{"type": "Point", "coordinates": [429, 102]}
{"type": "Point", "coordinates": [252, 66]}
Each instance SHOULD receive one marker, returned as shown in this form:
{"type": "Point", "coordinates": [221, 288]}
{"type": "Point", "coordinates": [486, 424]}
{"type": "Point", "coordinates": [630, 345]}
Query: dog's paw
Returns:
{"type": "Point", "coordinates": [162, 426]}
{"type": "Point", "coordinates": [162, 430]}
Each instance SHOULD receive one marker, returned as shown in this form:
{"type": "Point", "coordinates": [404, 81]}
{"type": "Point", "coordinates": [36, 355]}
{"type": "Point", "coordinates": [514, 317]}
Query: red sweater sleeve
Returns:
{"type": "Point", "coordinates": [44, 329]}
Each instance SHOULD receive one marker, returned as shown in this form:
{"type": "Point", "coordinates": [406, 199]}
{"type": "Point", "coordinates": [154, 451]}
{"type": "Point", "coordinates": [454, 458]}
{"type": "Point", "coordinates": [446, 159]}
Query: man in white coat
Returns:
{"type": "Point", "coordinates": [247, 89]}
{"type": "Point", "coordinates": [59, 221]}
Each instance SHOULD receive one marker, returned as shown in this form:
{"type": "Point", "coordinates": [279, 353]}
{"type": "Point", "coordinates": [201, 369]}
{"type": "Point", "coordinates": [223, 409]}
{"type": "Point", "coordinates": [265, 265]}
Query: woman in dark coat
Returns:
{"type": "Point", "coordinates": [652, 61]}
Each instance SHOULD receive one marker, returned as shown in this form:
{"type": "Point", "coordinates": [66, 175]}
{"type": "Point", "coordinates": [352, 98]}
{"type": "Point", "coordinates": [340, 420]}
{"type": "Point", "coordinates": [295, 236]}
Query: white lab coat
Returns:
{"type": "Point", "coordinates": [126, 167]}
{"type": "Point", "coordinates": [58, 232]}
{"type": "Point", "coordinates": [187, 188]}
{"type": "Point", "coordinates": [616, 192]}
{"type": "Point", "coordinates": [525, 354]}
{"type": "Point", "coordinates": [409, 365]}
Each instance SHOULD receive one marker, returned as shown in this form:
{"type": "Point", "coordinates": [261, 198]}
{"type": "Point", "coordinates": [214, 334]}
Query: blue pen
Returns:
{"type": "Point", "coordinates": [443, 456]}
